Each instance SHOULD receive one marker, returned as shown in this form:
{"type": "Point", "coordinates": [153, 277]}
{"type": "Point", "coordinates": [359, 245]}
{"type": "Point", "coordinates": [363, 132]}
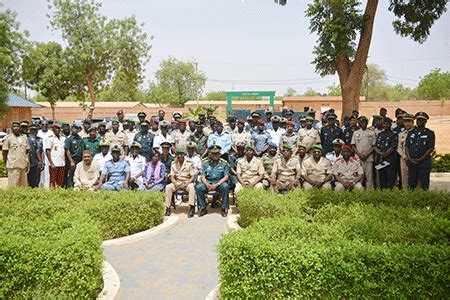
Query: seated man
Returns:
{"type": "Point", "coordinates": [182, 175]}
{"type": "Point", "coordinates": [268, 159]}
{"type": "Point", "coordinates": [250, 170]}
{"type": "Point", "coordinates": [214, 177]}
{"type": "Point", "coordinates": [86, 173]}
{"type": "Point", "coordinates": [137, 165]}
{"type": "Point", "coordinates": [347, 171]}
{"type": "Point", "coordinates": [286, 171]}
{"type": "Point", "coordinates": [116, 172]}
{"type": "Point", "coordinates": [316, 170]}
{"type": "Point", "coordinates": [194, 158]}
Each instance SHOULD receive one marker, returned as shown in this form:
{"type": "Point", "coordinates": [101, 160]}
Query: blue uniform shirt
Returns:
{"type": "Point", "coordinates": [261, 140]}
{"type": "Point", "coordinates": [385, 141]}
{"type": "Point", "coordinates": [116, 171]}
{"type": "Point", "coordinates": [327, 135]}
{"type": "Point", "coordinates": [223, 140]}
{"type": "Point", "coordinates": [419, 141]}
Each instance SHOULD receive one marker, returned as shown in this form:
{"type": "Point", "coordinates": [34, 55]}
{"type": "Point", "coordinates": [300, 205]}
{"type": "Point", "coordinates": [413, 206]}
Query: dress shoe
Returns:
{"type": "Point", "coordinates": [224, 212]}
{"type": "Point", "coordinates": [203, 212]}
{"type": "Point", "coordinates": [191, 211]}
{"type": "Point", "coordinates": [167, 212]}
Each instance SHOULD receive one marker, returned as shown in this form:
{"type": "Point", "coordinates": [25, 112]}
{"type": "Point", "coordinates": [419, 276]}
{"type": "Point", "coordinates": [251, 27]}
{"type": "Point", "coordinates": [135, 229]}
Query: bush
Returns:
{"type": "Point", "coordinates": [440, 162]}
{"type": "Point", "coordinates": [50, 240]}
{"type": "Point", "coordinates": [256, 204]}
{"type": "Point", "coordinates": [343, 251]}
{"type": "Point", "coordinates": [2, 169]}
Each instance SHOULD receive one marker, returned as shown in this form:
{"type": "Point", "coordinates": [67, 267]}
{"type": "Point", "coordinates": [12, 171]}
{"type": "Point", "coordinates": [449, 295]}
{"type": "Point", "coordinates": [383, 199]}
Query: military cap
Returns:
{"type": "Point", "coordinates": [290, 123]}
{"type": "Point", "coordinates": [101, 124]}
{"type": "Point", "coordinates": [135, 144]}
{"type": "Point", "coordinates": [287, 147]}
{"type": "Point", "coordinates": [76, 126]}
{"type": "Point", "coordinates": [422, 115]}
{"type": "Point", "coordinates": [311, 111]}
{"type": "Point", "coordinates": [116, 148]}
{"type": "Point", "coordinates": [67, 123]}
{"type": "Point", "coordinates": [256, 114]}
{"type": "Point", "coordinates": [302, 146]}
{"type": "Point", "coordinates": [289, 112]}
{"type": "Point", "coordinates": [399, 112]}
{"type": "Point", "coordinates": [180, 150]}
{"type": "Point", "coordinates": [231, 119]}
{"type": "Point", "coordinates": [34, 126]}
{"type": "Point", "coordinates": [166, 145]}
{"type": "Point", "coordinates": [119, 111]}
{"type": "Point", "coordinates": [92, 128]}
{"type": "Point", "coordinates": [87, 121]}
{"type": "Point", "coordinates": [215, 149]}
{"type": "Point", "coordinates": [283, 120]}
{"type": "Point", "coordinates": [191, 145]}
{"type": "Point", "coordinates": [275, 119]}
{"type": "Point", "coordinates": [114, 121]}
{"type": "Point", "coordinates": [302, 118]}
{"type": "Point", "coordinates": [104, 143]}
{"type": "Point", "coordinates": [407, 116]}
{"type": "Point", "coordinates": [377, 117]}
{"type": "Point", "coordinates": [212, 117]}
{"type": "Point", "coordinates": [363, 118]}
{"type": "Point", "coordinates": [309, 118]}
{"type": "Point", "coordinates": [268, 111]}
{"type": "Point", "coordinates": [164, 123]}
{"type": "Point", "coordinates": [346, 147]}
{"type": "Point", "coordinates": [144, 123]}
{"type": "Point", "coordinates": [141, 114]}
{"type": "Point", "coordinates": [241, 121]}
{"type": "Point", "coordinates": [318, 147]}
{"type": "Point", "coordinates": [250, 147]}
{"type": "Point", "coordinates": [130, 121]}
{"type": "Point", "coordinates": [331, 116]}
{"type": "Point", "coordinates": [202, 113]}
{"type": "Point", "coordinates": [176, 115]}
{"type": "Point", "coordinates": [240, 143]}
{"type": "Point", "coordinates": [15, 123]}
{"type": "Point", "coordinates": [25, 124]}
{"type": "Point", "coordinates": [54, 125]}
{"type": "Point", "coordinates": [261, 122]}
{"type": "Point", "coordinates": [154, 120]}
{"type": "Point", "coordinates": [338, 142]}
{"type": "Point", "coordinates": [211, 108]}
{"type": "Point", "coordinates": [387, 120]}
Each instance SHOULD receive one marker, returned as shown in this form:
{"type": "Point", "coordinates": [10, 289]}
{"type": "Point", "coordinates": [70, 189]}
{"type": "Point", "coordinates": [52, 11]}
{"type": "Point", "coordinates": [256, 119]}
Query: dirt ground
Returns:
{"type": "Point", "coordinates": [441, 128]}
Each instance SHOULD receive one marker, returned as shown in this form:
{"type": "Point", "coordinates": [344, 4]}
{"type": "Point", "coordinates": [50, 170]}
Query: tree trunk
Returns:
{"type": "Point", "coordinates": [92, 95]}
{"type": "Point", "coordinates": [53, 111]}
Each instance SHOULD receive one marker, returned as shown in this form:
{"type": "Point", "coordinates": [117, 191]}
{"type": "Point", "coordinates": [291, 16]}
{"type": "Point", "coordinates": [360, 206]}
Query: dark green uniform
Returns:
{"type": "Point", "coordinates": [213, 172]}
{"type": "Point", "coordinates": [75, 145]}
{"type": "Point", "coordinates": [92, 145]}
{"type": "Point", "coordinates": [146, 141]}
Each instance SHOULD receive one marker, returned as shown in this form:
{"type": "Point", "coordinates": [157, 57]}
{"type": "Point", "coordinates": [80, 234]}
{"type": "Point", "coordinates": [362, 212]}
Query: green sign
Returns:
{"type": "Point", "coordinates": [230, 95]}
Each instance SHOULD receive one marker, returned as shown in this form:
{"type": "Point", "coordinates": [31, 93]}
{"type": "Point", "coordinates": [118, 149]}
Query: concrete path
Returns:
{"type": "Point", "coordinates": [180, 263]}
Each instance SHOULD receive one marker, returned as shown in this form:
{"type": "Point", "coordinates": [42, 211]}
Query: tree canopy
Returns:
{"type": "Point", "coordinates": [435, 85]}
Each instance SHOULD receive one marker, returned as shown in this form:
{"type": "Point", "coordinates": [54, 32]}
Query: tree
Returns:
{"type": "Point", "coordinates": [290, 92]}
{"type": "Point", "coordinates": [216, 96]}
{"type": "Point", "coordinates": [339, 23]}
{"type": "Point", "coordinates": [99, 47]}
{"type": "Point", "coordinates": [334, 90]}
{"type": "Point", "coordinates": [177, 82]}
{"type": "Point", "coordinates": [121, 89]}
{"type": "Point", "coordinates": [44, 69]}
{"type": "Point", "coordinates": [435, 85]}
{"type": "Point", "coordinates": [311, 93]}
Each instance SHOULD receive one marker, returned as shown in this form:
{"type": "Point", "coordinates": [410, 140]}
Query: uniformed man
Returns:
{"type": "Point", "coordinates": [261, 139]}
{"type": "Point", "coordinates": [350, 130]}
{"type": "Point", "coordinates": [163, 137]}
{"type": "Point", "coordinates": [161, 115]}
{"type": "Point", "coordinates": [87, 123]}
{"type": "Point", "coordinates": [166, 158]}
{"type": "Point", "coordinates": [235, 155]}
{"type": "Point", "coordinates": [146, 140]}
{"type": "Point", "coordinates": [65, 129]}
{"type": "Point", "coordinates": [137, 165]}
{"type": "Point", "coordinates": [116, 137]}
{"type": "Point", "coordinates": [36, 154]}
{"type": "Point", "coordinates": [202, 117]}
{"type": "Point", "coordinates": [210, 115]}
{"type": "Point", "coordinates": [182, 176]}
{"type": "Point", "coordinates": [408, 123]}
{"type": "Point", "coordinates": [347, 171]}
{"type": "Point", "coordinates": [15, 154]}
{"type": "Point", "coordinates": [154, 129]}
{"type": "Point", "coordinates": [275, 130]}
{"type": "Point", "coordinates": [289, 116]}
{"type": "Point", "coordinates": [74, 150]}
{"type": "Point", "coordinates": [363, 141]}
{"type": "Point", "coordinates": [231, 125]}
{"type": "Point", "coordinates": [250, 170]}
{"type": "Point", "coordinates": [101, 131]}
{"type": "Point", "coordinates": [269, 115]}
{"type": "Point", "coordinates": [194, 158]}
{"type": "Point", "coordinates": [302, 154]}
{"type": "Point", "coordinates": [240, 135]}
{"type": "Point", "coordinates": [92, 142]}
{"type": "Point", "coordinates": [181, 135]}
{"type": "Point", "coordinates": [200, 138]}
{"type": "Point", "coordinates": [214, 177]}
{"type": "Point", "coordinates": [377, 124]}
{"type": "Point", "coordinates": [268, 159]}
{"type": "Point", "coordinates": [420, 143]}
{"type": "Point", "coordinates": [283, 123]}
{"type": "Point", "coordinates": [141, 117]}
{"type": "Point", "coordinates": [101, 158]}
{"type": "Point", "coordinates": [130, 130]}
{"type": "Point", "coordinates": [316, 170]}
{"type": "Point", "coordinates": [385, 148]}
{"type": "Point", "coordinates": [286, 171]}
{"type": "Point", "coordinates": [308, 135]}
{"type": "Point", "coordinates": [334, 155]}
{"type": "Point", "coordinates": [86, 173]}
{"type": "Point", "coordinates": [116, 172]}
{"type": "Point", "coordinates": [289, 138]}
{"type": "Point", "coordinates": [329, 133]}
{"type": "Point", "coordinates": [54, 149]}
{"type": "Point", "coordinates": [221, 139]}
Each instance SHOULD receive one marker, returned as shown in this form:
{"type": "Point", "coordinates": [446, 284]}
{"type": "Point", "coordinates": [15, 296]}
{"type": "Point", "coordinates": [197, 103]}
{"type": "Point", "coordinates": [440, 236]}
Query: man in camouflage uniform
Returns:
{"type": "Point", "coordinates": [268, 159]}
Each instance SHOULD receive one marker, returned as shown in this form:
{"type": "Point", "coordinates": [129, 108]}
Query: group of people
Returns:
{"type": "Point", "coordinates": [202, 156]}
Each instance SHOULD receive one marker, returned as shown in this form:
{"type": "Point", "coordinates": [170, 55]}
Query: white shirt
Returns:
{"type": "Point", "coordinates": [196, 163]}
{"type": "Point", "coordinates": [101, 159]}
{"type": "Point", "coordinates": [159, 139]}
{"type": "Point", "coordinates": [276, 134]}
{"type": "Point", "coordinates": [331, 156]}
{"type": "Point", "coordinates": [57, 152]}
{"type": "Point", "coordinates": [130, 135]}
{"type": "Point", "coordinates": [137, 164]}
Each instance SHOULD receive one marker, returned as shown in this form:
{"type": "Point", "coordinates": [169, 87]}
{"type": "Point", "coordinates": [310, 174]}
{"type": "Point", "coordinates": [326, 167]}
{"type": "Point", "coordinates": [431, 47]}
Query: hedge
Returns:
{"type": "Point", "coordinates": [50, 240]}
{"type": "Point", "coordinates": [355, 250]}
{"type": "Point", "coordinates": [256, 204]}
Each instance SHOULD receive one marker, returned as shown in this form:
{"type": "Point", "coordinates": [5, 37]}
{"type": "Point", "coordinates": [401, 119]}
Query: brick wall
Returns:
{"type": "Point", "coordinates": [15, 114]}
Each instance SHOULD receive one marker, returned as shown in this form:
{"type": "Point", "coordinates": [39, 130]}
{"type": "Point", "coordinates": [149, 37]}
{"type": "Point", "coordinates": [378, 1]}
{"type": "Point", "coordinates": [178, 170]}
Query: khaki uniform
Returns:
{"type": "Point", "coordinates": [308, 137]}
{"type": "Point", "coordinates": [268, 162]}
{"type": "Point", "coordinates": [316, 171]}
{"type": "Point", "coordinates": [18, 161]}
{"type": "Point", "coordinates": [120, 138]}
{"type": "Point", "coordinates": [249, 171]}
{"type": "Point", "coordinates": [236, 137]}
{"type": "Point", "coordinates": [284, 171]}
{"type": "Point", "coordinates": [401, 150]}
{"type": "Point", "coordinates": [183, 173]}
{"type": "Point", "coordinates": [290, 140]}
{"type": "Point", "coordinates": [181, 139]}
{"type": "Point", "coordinates": [86, 177]}
{"type": "Point", "coordinates": [348, 171]}
{"type": "Point", "coordinates": [364, 140]}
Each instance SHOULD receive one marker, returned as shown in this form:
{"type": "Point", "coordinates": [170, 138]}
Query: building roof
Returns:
{"type": "Point", "coordinates": [221, 103]}
{"type": "Point", "coordinates": [318, 98]}
{"type": "Point", "coordinates": [17, 101]}
{"type": "Point", "coordinates": [97, 104]}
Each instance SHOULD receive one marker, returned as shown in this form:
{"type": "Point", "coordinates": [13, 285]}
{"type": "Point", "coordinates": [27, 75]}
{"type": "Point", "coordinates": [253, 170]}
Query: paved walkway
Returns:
{"type": "Point", "coordinates": [180, 263]}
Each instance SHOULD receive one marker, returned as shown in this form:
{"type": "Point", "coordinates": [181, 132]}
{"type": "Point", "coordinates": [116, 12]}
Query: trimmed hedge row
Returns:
{"type": "Point", "coordinates": [50, 240]}
{"type": "Point", "coordinates": [256, 204]}
{"type": "Point", "coordinates": [357, 251]}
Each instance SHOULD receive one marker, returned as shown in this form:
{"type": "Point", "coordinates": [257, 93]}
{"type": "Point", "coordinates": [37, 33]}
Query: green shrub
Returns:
{"type": "Point", "coordinates": [337, 254]}
{"type": "Point", "coordinates": [440, 162]}
{"type": "Point", "coordinates": [2, 169]}
{"type": "Point", "coordinates": [256, 204]}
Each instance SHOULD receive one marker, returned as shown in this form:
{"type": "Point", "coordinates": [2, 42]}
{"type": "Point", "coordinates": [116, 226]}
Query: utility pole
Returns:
{"type": "Point", "coordinates": [196, 83]}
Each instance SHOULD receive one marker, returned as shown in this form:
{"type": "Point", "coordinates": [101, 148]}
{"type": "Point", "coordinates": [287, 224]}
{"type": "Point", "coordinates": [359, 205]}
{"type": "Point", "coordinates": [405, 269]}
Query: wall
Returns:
{"type": "Point", "coordinates": [15, 114]}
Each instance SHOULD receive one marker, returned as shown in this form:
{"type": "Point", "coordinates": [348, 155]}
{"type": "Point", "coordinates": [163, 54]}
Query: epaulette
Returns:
{"type": "Point", "coordinates": [224, 161]}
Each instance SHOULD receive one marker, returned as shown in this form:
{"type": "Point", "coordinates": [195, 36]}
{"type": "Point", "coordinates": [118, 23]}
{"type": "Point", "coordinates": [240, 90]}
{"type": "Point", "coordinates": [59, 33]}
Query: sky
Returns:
{"type": "Point", "coordinates": [252, 44]}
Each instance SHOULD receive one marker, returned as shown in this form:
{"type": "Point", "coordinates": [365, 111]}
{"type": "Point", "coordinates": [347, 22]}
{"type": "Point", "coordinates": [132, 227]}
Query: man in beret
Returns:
{"type": "Point", "coordinates": [182, 176]}
{"type": "Point", "coordinates": [222, 139]}
{"type": "Point", "coordinates": [385, 148]}
{"type": "Point", "coordinates": [269, 115]}
{"type": "Point", "coordinates": [276, 131]}
{"type": "Point", "coordinates": [329, 133]}
{"type": "Point", "coordinates": [289, 116]}
{"type": "Point", "coordinates": [261, 139]}
{"type": "Point", "coordinates": [289, 138]}
{"type": "Point", "coordinates": [240, 135]}
{"type": "Point", "coordinates": [420, 142]}
{"type": "Point", "coordinates": [117, 137]}
{"type": "Point", "coordinates": [101, 131]}
{"type": "Point", "coordinates": [347, 171]}
{"type": "Point", "coordinates": [308, 135]}
{"type": "Point", "coordinates": [363, 142]}
{"type": "Point", "coordinates": [286, 171]}
{"type": "Point", "coordinates": [200, 138]}
{"type": "Point", "coordinates": [101, 158]}
{"type": "Point", "coordinates": [181, 135]}
{"type": "Point", "coordinates": [15, 154]}
{"type": "Point", "coordinates": [316, 170]}
{"type": "Point", "coordinates": [54, 149]}
{"type": "Point", "coordinates": [408, 123]}
{"type": "Point", "coordinates": [115, 172]}
{"type": "Point", "coordinates": [92, 142]}
{"type": "Point", "coordinates": [210, 115]}
{"type": "Point", "coordinates": [268, 159]}
{"type": "Point", "coordinates": [154, 126]}
{"type": "Point", "coordinates": [250, 170]}
{"type": "Point", "coordinates": [74, 147]}
{"type": "Point", "coordinates": [86, 173]}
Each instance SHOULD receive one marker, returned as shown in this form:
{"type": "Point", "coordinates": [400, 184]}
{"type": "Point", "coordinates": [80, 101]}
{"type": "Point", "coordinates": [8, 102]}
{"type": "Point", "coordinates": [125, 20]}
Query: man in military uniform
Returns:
{"type": "Point", "coordinates": [268, 159]}
{"type": "Point", "coordinates": [101, 158]}
{"type": "Point", "coordinates": [214, 177]}
{"type": "Point", "coordinates": [334, 155]}
{"type": "Point", "coordinates": [240, 135]}
{"type": "Point", "coordinates": [230, 127]}
{"type": "Point", "coordinates": [286, 171]}
{"type": "Point", "coordinates": [200, 139]}
{"type": "Point", "coordinates": [74, 150]}
{"type": "Point", "coordinates": [130, 130]}
{"type": "Point", "coordinates": [194, 158]}
{"type": "Point", "coordinates": [261, 139]}
{"type": "Point", "coordinates": [137, 165]}
{"type": "Point", "coordinates": [166, 158]}
{"type": "Point", "coordinates": [363, 141]}
{"type": "Point", "coordinates": [182, 176]}
{"type": "Point", "coordinates": [116, 137]}
{"type": "Point", "coordinates": [377, 124]}
{"type": "Point", "coordinates": [87, 123]}
{"type": "Point", "coordinates": [348, 172]}
{"type": "Point", "coordinates": [419, 145]}
{"type": "Point", "coordinates": [92, 143]}
{"type": "Point", "coordinates": [316, 170]}
{"type": "Point", "coordinates": [116, 172]}
{"type": "Point", "coordinates": [329, 133]}
{"type": "Point", "coordinates": [163, 136]}
{"type": "Point", "coordinates": [141, 117]}
{"type": "Point", "coordinates": [408, 123]}
{"type": "Point", "coordinates": [36, 155]}
{"type": "Point", "coordinates": [289, 138]}
{"type": "Point", "coordinates": [350, 130]}
{"type": "Point", "coordinates": [145, 139]}
{"type": "Point", "coordinates": [15, 154]}
{"type": "Point", "coordinates": [275, 130]}
{"type": "Point", "coordinates": [221, 139]}
{"type": "Point", "coordinates": [154, 127]}
{"type": "Point", "coordinates": [250, 170]}
{"type": "Point", "coordinates": [181, 135]}
{"type": "Point", "coordinates": [385, 148]}
{"type": "Point", "coordinates": [65, 129]}
{"type": "Point", "coordinates": [289, 116]}
{"type": "Point", "coordinates": [308, 135]}
{"type": "Point", "coordinates": [101, 131]}
{"type": "Point", "coordinates": [269, 115]}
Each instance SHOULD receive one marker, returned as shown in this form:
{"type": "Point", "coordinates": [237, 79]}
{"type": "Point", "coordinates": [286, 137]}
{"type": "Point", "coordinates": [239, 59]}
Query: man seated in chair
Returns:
{"type": "Point", "coordinates": [316, 170]}
{"type": "Point", "coordinates": [348, 171]}
{"type": "Point", "coordinates": [86, 173]}
{"type": "Point", "coordinates": [116, 172]}
{"type": "Point", "coordinates": [250, 170]}
{"type": "Point", "coordinates": [285, 171]}
{"type": "Point", "coordinates": [182, 175]}
{"type": "Point", "coordinates": [137, 165]}
{"type": "Point", "coordinates": [214, 177]}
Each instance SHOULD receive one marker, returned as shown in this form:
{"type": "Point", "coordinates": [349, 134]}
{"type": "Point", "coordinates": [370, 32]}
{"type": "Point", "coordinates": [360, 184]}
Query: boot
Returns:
{"type": "Point", "coordinates": [167, 212]}
{"type": "Point", "coordinates": [191, 211]}
{"type": "Point", "coordinates": [224, 212]}
{"type": "Point", "coordinates": [203, 212]}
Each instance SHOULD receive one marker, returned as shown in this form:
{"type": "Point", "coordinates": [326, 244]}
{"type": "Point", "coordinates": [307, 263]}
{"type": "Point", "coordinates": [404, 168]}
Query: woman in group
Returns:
{"type": "Point", "coordinates": [155, 174]}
